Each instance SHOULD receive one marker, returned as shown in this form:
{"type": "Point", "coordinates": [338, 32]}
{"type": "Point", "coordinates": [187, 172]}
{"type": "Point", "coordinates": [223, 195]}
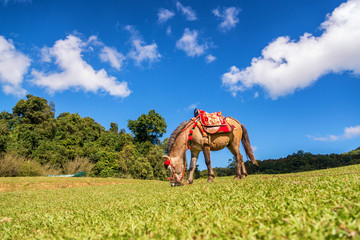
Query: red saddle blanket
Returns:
{"type": "Point", "coordinates": [212, 119]}
{"type": "Point", "coordinates": [214, 122]}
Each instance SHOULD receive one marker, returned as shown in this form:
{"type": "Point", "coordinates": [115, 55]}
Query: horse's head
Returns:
{"type": "Point", "coordinates": [176, 170]}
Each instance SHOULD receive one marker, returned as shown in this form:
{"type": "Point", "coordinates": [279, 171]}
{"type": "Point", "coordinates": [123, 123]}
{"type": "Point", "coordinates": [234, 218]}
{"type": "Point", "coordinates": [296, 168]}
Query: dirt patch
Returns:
{"type": "Point", "coordinates": [5, 219]}
{"type": "Point", "coordinates": [26, 186]}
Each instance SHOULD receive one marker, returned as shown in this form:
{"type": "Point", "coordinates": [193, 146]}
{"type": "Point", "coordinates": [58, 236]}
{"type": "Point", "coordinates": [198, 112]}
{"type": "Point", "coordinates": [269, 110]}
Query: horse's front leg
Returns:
{"type": "Point", "coordinates": [211, 174]}
{"type": "Point", "coordinates": [194, 157]}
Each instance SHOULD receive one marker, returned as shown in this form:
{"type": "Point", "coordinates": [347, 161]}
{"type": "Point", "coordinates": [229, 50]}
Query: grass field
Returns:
{"type": "Point", "coordinates": [312, 205]}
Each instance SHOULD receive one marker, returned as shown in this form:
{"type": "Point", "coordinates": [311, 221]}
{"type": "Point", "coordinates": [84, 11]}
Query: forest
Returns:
{"type": "Point", "coordinates": [33, 142]}
{"type": "Point", "coordinates": [296, 162]}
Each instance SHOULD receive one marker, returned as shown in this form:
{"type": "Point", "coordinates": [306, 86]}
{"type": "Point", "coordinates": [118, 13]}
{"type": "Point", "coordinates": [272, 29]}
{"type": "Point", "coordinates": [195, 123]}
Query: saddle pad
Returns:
{"type": "Point", "coordinates": [211, 130]}
{"type": "Point", "coordinates": [219, 129]}
{"type": "Point", "coordinates": [212, 119]}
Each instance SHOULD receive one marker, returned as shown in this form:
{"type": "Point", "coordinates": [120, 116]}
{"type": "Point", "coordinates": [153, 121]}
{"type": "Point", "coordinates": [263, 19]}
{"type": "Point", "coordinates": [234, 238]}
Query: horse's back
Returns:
{"type": "Point", "coordinates": [234, 122]}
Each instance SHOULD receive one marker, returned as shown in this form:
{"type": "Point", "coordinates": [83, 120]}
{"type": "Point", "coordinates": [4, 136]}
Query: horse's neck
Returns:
{"type": "Point", "coordinates": [179, 147]}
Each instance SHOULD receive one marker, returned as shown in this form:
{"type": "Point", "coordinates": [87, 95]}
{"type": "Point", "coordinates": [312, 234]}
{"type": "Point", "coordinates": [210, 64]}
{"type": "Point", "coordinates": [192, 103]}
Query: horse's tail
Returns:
{"type": "Point", "coordinates": [247, 146]}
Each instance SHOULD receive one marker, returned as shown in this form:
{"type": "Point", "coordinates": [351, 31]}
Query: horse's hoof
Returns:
{"type": "Point", "coordinates": [187, 182]}
{"type": "Point", "coordinates": [237, 177]}
{"type": "Point", "coordinates": [210, 180]}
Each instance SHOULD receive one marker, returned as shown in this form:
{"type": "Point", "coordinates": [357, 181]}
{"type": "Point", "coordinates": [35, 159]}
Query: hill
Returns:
{"type": "Point", "coordinates": [296, 162]}
{"type": "Point", "coordinates": [354, 152]}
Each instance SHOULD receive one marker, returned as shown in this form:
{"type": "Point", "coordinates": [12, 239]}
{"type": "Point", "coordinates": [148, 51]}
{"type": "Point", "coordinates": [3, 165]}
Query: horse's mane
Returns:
{"type": "Point", "coordinates": [175, 134]}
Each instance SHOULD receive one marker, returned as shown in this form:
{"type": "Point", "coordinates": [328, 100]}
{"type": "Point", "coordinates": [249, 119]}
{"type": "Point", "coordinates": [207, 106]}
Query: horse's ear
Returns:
{"type": "Point", "coordinates": [165, 157]}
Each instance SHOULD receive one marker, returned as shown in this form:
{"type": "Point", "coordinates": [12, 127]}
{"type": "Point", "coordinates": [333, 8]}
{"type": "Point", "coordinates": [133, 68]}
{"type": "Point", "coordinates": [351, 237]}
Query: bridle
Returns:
{"type": "Point", "coordinates": [173, 179]}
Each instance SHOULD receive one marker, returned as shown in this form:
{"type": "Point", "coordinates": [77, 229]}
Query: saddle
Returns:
{"type": "Point", "coordinates": [214, 122]}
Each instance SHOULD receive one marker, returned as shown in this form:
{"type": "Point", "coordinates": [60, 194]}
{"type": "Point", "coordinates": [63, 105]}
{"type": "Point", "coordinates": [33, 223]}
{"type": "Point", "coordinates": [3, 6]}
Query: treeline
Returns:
{"type": "Point", "coordinates": [34, 142]}
{"type": "Point", "coordinates": [296, 162]}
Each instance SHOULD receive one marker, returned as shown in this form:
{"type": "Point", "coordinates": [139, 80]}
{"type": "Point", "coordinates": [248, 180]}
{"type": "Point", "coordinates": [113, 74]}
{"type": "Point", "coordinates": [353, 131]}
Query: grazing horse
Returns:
{"type": "Point", "coordinates": [190, 135]}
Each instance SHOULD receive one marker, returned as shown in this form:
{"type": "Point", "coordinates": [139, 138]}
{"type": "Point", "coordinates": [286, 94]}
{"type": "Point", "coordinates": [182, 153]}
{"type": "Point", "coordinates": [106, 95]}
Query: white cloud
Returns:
{"type": "Point", "coordinates": [349, 132]}
{"type": "Point", "coordinates": [45, 55]}
{"type": "Point", "coordinates": [141, 52]}
{"type": "Point", "coordinates": [188, 12]}
{"type": "Point", "coordinates": [15, 1]}
{"type": "Point", "coordinates": [328, 138]}
{"type": "Point", "coordinates": [168, 31]}
{"type": "Point", "coordinates": [286, 65]}
{"type": "Point", "coordinates": [13, 66]}
{"type": "Point", "coordinates": [210, 58]}
{"type": "Point", "coordinates": [189, 43]}
{"type": "Point", "coordinates": [93, 41]}
{"type": "Point", "coordinates": [75, 72]}
{"type": "Point", "coordinates": [228, 16]}
{"type": "Point", "coordinates": [164, 15]}
{"type": "Point", "coordinates": [192, 107]}
{"type": "Point", "coordinates": [231, 79]}
{"type": "Point", "coordinates": [352, 132]}
{"type": "Point", "coordinates": [112, 56]}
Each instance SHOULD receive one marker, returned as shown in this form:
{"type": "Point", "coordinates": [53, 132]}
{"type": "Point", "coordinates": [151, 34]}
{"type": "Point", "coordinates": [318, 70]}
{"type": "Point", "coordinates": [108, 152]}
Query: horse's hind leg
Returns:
{"type": "Point", "coordinates": [211, 174]}
{"type": "Point", "coordinates": [241, 172]}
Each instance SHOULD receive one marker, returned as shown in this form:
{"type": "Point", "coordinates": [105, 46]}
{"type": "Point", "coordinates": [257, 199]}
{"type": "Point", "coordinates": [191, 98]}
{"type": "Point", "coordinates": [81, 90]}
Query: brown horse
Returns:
{"type": "Point", "coordinates": [179, 142]}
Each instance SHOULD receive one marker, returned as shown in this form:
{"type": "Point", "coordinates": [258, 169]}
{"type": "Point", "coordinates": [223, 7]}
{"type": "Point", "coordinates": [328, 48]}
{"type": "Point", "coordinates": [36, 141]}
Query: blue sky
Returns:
{"type": "Point", "coordinates": [288, 70]}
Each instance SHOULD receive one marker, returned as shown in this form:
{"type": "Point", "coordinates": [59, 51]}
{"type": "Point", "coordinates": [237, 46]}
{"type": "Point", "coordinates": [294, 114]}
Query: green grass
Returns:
{"type": "Point", "coordinates": [312, 205]}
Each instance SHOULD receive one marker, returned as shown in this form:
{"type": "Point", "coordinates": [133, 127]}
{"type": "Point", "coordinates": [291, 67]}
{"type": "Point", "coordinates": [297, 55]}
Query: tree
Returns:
{"type": "Point", "coordinates": [148, 127]}
{"type": "Point", "coordinates": [114, 127]}
{"type": "Point", "coordinates": [34, 110]}
{"type": "Point", "coordinates": [141, 169]}
{"type": "Point", "coordinates": [5, 128]}
{"type": "Point", "coordinates": [232, 166]}
{"type": "Point", "coordinates": [197, 172]}
{"type": "Point", "coordinates": [156, 162]}
{"type": "Point", "coordinates": [33, 132]}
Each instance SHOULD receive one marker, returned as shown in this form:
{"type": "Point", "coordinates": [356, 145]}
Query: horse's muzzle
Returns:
{"type": "Point", "coordinates": [175, 184]}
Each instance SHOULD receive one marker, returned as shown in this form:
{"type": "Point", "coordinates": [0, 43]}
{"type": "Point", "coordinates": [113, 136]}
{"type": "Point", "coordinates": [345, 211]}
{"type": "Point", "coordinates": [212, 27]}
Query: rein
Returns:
{"type": "Point", "coordinates": [174, 177]}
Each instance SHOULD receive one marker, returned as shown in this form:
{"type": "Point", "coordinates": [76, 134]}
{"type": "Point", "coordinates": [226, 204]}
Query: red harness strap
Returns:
{"type": "Point", "coordinates": [173, 177]}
